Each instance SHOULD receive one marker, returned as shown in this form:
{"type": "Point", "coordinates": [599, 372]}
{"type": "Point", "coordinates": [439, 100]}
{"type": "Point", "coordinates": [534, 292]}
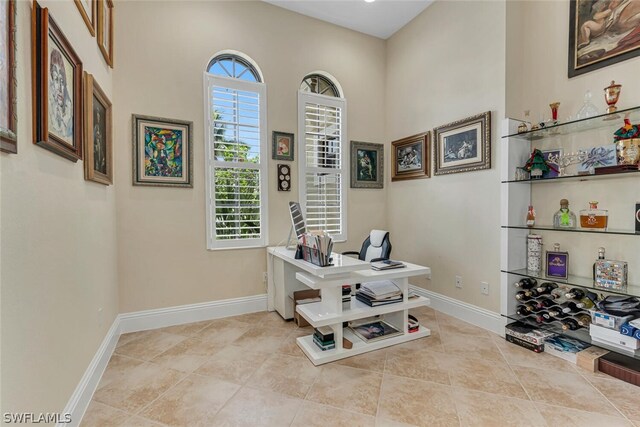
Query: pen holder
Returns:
{"type": "Point", "coordinates": [314, 256]}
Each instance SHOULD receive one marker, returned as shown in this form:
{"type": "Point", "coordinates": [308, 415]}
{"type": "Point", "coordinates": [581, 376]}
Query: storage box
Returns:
{"type": "Point", "coordinates": [303, 297]}
{"type": "Point", "coordinates": [564, 348]}
{"type": "Point", "coordinates": [608, 320]}
{"type": "Point", "coordinates": [527, 333]}
{"type": "Point", "coordinates": [613, 338]}
{"type": "Point", "coordinates": [588, 359]}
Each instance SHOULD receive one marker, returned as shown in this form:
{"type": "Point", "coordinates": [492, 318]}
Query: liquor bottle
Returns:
{"type": "Point", "coordinates": [600, 257]}
{"type": "Point", "coordinates": [584, 320]}
{"type": "Point", "coordinates": [546, 288]}
{"type": "Point", "coordinates": [569, 324]}
{"type": "Point", "coordinates": [531, 217]}
{"type": "Point", "coordinates": [557, 313]}
{"type": "Point", "coordinates": [575, 293]}
{"type": "Point", "coordinates": [545, 303]}
{"type": "Point", "coordinates": [526, 283]}
{"type": "Point", "coordinates": [521, 296]}
{"type": "Point", "coordinates": [521, 310]}
{"type": "Point", "coordinates": [594, 217]}
{"type": "Point", "coordinates": [564, 218]}
{"type": "Point", "coordinates": [531, 293]}
{"type": "Point", "coordinates": [570, 307]}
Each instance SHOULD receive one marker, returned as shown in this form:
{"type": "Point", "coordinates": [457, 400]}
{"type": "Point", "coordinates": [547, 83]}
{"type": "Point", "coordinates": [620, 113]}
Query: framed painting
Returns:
{"type": "Point", "coordinates": [410, 157]}
{"type": "Point", "coordinates": [367, 165]}
{"type": "Point", "coordinates": [601, 33]}
{"type": "Point", "coordinates": [8, 80]}
{"type": "Point", "coordinates": [282, 146]}
{"type": "Point", "coordinates": [88, 12]}
{"type": "Point", "coordinates": [162, 152]}
{"type": "Point", "coordinates": [463, 146]}
{"type": "Point", "coordinates": [57, 93]}
{"type": "Point", "coordinates": [98, 149]}
{"type": "Point", "coordinates": [105, 29]}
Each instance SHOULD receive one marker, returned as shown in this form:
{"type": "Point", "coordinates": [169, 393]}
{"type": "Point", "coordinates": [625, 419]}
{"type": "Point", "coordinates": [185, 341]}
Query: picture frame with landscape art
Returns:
{"type": "Point", "coordinates": [463, 145]}
{"type": "Point", "coordinates": [602, 33]}
{"type": "Point", "coordinates": [367, 165]}
{"type": "Point", "coordinates": [57, 89]}
{"type": "Point", "coordinates": [410, 157]}
{"type": "Point", "coordinates": [162, 152]}
{"type": "Point", "coordinates": [105, 29]}
{"type": "Point", "coordinates": [8, 80]}
{"type": "Point", "coordinates": [88, 11]}
{"type": "Point", "coordinates": [98, 149]}
{"type": "Point", "coordinates": [282, 146]}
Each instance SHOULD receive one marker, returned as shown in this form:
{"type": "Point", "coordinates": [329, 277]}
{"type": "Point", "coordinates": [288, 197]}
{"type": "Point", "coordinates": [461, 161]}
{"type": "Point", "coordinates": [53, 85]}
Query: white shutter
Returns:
{"type": "Point", "coordinates": [323, 165]}
{"type": "Point", "coordinates": [236, 163]}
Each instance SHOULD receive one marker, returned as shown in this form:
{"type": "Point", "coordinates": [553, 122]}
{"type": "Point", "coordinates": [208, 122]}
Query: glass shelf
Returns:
{"type": "Point", "coordinates": [581, 334]}
{"type": "Point", "coordinates": [582, 282]}
{"type": "Point", "coordinates": [623, 174]}
{"type": "Point", "coordinates": [613, 120]}
{"type": "Point", "coordinates": [575, 230]}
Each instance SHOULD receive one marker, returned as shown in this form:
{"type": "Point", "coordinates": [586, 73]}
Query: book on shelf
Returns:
{"type": "Point", "coordinates": [374, 330]}
{"type": "Point", "coordinates": [387, 264]}
{"type": "Point", "coordinates": [324, 333]}
{"type": "Point", "coordinates": [380, 292]}
{"type": "Point", "coordinates": [324, 346]}
{"type": "Point", "coordinates": [372, 302]}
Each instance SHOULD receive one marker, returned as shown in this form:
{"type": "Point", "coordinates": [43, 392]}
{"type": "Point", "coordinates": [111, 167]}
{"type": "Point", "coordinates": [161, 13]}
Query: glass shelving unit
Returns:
{"type": "Point", "coordinates": [574, 230]}
{"type": "Point", "coordinates": [621, 174]}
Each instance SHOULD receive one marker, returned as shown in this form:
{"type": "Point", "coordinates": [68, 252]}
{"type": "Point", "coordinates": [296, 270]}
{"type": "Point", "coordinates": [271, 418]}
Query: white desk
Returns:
{"type": "Point", "coordinates": [287, 274]}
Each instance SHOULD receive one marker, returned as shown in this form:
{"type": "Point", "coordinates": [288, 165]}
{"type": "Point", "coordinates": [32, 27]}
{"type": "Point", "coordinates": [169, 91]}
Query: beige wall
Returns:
{"type": "Point", "coordinates": [162, 256]}
{"type": "Point", "coordinates": [58, 248]}
{"type": "Point", "coordinates": [537, 76]}
{"type": "Point", "coordinates": [445, 65]}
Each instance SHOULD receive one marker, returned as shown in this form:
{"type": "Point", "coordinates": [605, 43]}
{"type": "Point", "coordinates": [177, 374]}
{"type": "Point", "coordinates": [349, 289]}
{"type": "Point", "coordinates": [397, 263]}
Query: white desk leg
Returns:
{"type": "Point", "coordinates": [332, 302]}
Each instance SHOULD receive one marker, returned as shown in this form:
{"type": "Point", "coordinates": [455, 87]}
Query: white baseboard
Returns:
{"type": "Point", "coordinates": [83, 393]}
{"type": "Point", "coordinates": [171, 316]}
{"type": "Point", "coordinates": [468, 312]}
{"type": "Point", "coordinates": [145, 320]}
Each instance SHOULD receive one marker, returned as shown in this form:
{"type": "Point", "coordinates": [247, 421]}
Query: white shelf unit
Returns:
{"type": "Point", "coordinates": [517, 196]}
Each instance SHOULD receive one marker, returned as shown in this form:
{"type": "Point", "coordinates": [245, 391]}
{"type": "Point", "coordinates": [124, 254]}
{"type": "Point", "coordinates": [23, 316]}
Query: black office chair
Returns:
{"type": "Point", "coordinates": [376, 247]}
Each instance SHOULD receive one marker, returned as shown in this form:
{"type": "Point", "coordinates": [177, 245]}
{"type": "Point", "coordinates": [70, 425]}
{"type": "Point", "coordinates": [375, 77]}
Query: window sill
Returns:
{"type": "Point", "coordinates": [235, 248]}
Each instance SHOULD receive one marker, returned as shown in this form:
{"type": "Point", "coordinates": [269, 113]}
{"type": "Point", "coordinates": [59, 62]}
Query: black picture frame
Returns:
{"type": "Point", "coordinates": [593, 61]}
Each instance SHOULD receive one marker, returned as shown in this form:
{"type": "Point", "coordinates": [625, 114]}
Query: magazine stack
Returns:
{"type": "Point", "coordinates": [379, 293]}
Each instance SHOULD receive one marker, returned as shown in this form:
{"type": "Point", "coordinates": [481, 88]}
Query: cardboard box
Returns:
{"type": "Point", "coordinates": [303, 297]}
{"type": "Point", "coordinates": [613, 338]}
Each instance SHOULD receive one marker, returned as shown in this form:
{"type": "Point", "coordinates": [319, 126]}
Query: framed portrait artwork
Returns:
{"type": "Point", "coordinates": [367, 165]}
{"type": "Point", "coordinates": [282, 146]}
{"type": "Point", "coordinates": [463, 146]}
{"type": "Point", "coordinates": [601, 33]}
{"type": "Point", "coordinates": [410, 158]}
{"type": "Point", "coordinates": [57, 94]}
{"type": "Point", "coordinates": [105, 29]}
{"type": "Point", "coordinates": [162, 152]}
{"type": "Point", "coordinates": [8, 81]}
{"type": "Point", "coordinates": [88, 11]}
{"type": "Point", "coordinates": [98, 149]}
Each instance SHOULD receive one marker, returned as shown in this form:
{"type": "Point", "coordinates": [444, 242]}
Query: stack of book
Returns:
{"type": "Point", "coordinates": [387, 264]}
{"type": "Point", "coordinates": [323, 337]}
{"type": "Point", "coordinates": [379, 293]}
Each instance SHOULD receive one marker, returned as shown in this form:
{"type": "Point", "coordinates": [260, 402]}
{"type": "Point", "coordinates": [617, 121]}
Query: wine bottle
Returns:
{"type": "Point", "coordinates": [584, 320]}
{"type": "Point", "coordinates": [556, 294]}
{"type": "Point", "coordinates": [544, 317]}
{"type": "Point", "coordinates": [521, 310]}
{"type": "Point", "coordinates": [557, 313]}
{"type": "Point", "coordinates": [526, 283]}
{"type": "Point", "coordinates": [569, 324]}
{"type": "Point", "coordinates": [522, 296]}
{"type": "Point", "coordinates": [575, 293]}
{"type": "Point", "coordinates": [545, 303]}
{"type": "Point", "coordinates": [585, 303]}
{"type": "Point", "coordinates": [531, 293]}
{"type": "Point", "coordinates": [546, 288]}
{"type": "Point", "coordinates": [531, 306]}
{"type": "Point", "coordinates": [569, 307]}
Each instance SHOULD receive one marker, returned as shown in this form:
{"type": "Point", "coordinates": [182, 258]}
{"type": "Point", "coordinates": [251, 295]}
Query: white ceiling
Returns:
{"type": "Point", "coordinates": [381, 18]}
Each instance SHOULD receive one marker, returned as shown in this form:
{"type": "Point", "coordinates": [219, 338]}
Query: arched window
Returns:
{"type": "Point", "coordinates": [236, 160]}
{"type": "Point", "coordinates": [323, 165]}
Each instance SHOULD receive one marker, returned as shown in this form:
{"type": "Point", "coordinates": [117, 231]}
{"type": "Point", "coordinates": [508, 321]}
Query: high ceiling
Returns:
{"type": "Point", "coordinates": [381, 18]}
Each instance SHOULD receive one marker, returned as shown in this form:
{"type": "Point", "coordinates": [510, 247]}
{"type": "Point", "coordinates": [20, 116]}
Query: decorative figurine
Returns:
{"type": "Point", "coordinates": [537, 165]}
{"type": "Point", "coordinates": [531, 217]}
{"type": "Point", "coordinates": [522, 127]}
{"type": "Point", "coordinates": [628, 143]}
{"type": "Point", "coordinates": [566, 160]}
{"type": "Point", "coordinates": [588, 109]}
{"type": "Point", "coordinates": [611, 95]}
{"type": "Point", "coordinates": [564, 218]}
{"type": "Point", "coordinates": [554, 112]}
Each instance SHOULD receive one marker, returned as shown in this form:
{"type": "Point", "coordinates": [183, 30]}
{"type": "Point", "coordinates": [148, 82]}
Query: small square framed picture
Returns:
{"type": "Point", "coordinates": [557, 264]}
{"type": "Point", "coordinates": [283, 146]}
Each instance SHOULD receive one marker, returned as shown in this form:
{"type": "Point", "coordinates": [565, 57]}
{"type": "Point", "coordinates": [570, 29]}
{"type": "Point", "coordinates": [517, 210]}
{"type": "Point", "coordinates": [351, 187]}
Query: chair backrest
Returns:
{"type": "Point", "coordinates": [377, 245]}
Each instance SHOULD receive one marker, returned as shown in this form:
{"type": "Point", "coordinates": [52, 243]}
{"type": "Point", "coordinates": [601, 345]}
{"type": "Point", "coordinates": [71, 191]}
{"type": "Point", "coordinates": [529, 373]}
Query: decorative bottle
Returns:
{"type": "Point", "coordinates": [594, 218]}
{"type": "Point", "coordinates": [564, 218]}
{"type": "Point", "coordinates": [600, 257]}
{"type": "Point", "coordinates": [531, 217]}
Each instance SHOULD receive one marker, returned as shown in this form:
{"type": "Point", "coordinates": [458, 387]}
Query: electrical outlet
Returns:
{"type": "Point", "coordinates": [484, 288]}
{"type": "Point", "coordinates": [459, 282]}
{"type": "Point", "coordinates": [264, 277]}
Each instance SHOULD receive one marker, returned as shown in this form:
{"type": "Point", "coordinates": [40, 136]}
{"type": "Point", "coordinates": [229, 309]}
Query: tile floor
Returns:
{"type": "Point", "coordinates": [248, 371]}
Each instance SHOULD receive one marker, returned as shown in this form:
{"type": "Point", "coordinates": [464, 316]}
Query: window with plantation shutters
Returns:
{"type": "Point", "coordinates": [323, 165]}
{"type": "Point", "coordinates": [236, 160]}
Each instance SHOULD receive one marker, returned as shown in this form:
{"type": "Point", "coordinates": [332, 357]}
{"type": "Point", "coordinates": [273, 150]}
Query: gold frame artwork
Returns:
{"type": "Point", "coordinates": [92, 91]}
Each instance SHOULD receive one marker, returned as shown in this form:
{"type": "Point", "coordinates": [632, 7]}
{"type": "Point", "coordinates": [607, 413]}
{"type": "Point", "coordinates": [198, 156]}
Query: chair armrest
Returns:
{"type": "Point", "coordinates": [350, 253]}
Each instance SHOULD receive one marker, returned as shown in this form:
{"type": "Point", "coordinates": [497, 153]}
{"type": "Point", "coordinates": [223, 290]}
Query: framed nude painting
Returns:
{"type": "Point", "coordinates": [57, 94]}
{"type": "Point", "coordinates": [8, 83]}
{"type": "Point", "coordinates": [98, 150]}
{"type": "Point", "coordinates": [601, 33]}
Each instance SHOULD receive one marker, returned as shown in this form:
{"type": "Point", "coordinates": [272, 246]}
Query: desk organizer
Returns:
{"type": "Point", "coordinates": [314, 256]}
